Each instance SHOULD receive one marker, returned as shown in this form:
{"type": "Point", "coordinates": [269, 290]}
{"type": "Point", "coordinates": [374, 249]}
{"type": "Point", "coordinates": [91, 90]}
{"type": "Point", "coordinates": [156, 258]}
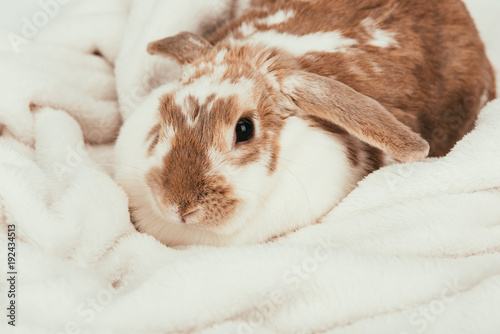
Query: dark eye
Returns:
{"type": "Point", "coordinates": [244, 130]}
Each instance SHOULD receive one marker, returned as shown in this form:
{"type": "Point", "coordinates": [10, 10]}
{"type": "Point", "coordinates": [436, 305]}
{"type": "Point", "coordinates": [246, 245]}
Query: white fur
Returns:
{"type": "Point", "coordinates": [247, 29]}
{"type": "Point", "coordinates": [213, 83]}
{"type": "Point", "coordinates": [220, 56]}
{"type": "Point", "coordinates": [379, 38]}
{"type": "Point", "coordinates": [281, 16]}
{"type": "Point", "coordinates": [331, 41]}
{"type": "Point", "coordinates": [383, 39]}
{"type": "Point", "coordinates": [132, 161]}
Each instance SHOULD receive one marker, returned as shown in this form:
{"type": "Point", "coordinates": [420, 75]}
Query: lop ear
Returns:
{"type": "Point", "coordinates": [183, 47]}
{"type": "Point", "coordinates": [356, 113]}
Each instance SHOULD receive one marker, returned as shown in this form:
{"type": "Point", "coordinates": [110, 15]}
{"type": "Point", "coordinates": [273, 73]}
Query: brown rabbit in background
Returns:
{"type": "Point", "coordinates": [283, 110]}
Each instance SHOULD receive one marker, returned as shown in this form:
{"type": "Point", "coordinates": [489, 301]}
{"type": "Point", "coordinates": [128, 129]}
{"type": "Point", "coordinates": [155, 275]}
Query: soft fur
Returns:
{"type": "Point", "coordinates": [336, 89]}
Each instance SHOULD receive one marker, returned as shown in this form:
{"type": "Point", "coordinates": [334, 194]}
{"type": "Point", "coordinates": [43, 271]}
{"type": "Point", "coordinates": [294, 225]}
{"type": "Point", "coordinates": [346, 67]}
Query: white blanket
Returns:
{"type": "Point", "coordinates": [414, 249]}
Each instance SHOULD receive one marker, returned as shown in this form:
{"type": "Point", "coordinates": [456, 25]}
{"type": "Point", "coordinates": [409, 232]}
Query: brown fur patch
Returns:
{"type": "Point", "coordinates": [183, 47]}
{"type": "Point", "coordinates": [191, 186]}
{"type": "Point", "coordinates": [439, 64]}
{"type": "Point", "coordinates": [171, 114]}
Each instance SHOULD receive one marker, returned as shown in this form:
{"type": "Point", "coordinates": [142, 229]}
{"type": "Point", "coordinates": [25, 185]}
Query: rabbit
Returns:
{"type": "Point", "coordinates": [281, 112]}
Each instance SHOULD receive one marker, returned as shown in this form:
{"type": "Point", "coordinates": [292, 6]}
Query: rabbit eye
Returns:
{"type": "Point", "coordinates": [244, 130]}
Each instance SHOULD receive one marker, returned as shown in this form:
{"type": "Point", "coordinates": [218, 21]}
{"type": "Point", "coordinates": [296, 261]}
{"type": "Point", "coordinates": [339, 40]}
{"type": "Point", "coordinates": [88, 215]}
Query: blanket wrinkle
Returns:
{"type": "Point", "coordinates": [415, 248]}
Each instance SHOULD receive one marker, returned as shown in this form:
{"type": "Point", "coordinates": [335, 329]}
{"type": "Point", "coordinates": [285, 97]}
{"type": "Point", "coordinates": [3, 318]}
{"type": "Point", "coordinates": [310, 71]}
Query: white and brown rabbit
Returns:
{"type": "Point", "coordinates": [282, 111]}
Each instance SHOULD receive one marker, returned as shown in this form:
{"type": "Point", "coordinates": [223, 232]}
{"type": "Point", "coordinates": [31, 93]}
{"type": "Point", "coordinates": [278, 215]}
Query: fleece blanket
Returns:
{"type": "Point", "coordinates": [415, 248]}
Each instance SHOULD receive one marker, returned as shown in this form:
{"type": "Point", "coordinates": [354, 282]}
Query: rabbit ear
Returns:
{"type": "Point", "coordinates": [358, 114]}
{"type": "Point", "coordinates": [183, 47]}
